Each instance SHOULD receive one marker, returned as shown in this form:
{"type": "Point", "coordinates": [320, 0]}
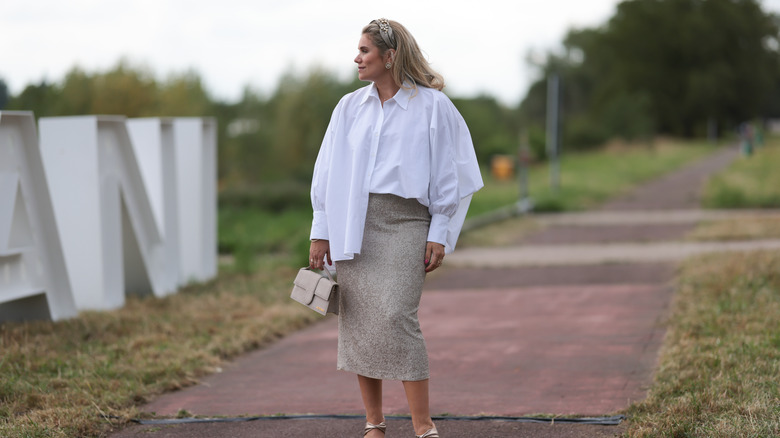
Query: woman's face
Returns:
{"type": "Point", "coordinates": [371, 64]}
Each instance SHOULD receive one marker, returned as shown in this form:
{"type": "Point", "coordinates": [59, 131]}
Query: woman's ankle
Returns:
{"type": "Point", "coordinates": [423, 427]}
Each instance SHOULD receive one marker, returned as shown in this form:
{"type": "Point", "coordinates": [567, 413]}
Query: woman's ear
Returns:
{"type": "Point", "coordinates": [390, 54]}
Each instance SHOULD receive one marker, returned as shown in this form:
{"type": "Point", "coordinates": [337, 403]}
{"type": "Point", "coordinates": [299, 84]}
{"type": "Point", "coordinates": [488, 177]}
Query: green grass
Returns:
{"type": "Point", "coordinates": [250, 232]}
{"type": "Point", "coordinates": [590, 177]}
{"type": "Point", "coordinates": [720, 362]}
{"type": "Point", "coordinates": [268, 221]}
{"type": "Point", "coordinates": [751, 182]}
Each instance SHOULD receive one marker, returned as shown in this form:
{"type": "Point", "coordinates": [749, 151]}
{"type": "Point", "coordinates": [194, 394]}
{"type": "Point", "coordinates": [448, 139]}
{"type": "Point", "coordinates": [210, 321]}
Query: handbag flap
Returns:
{"type": "Point", "coordinates": [307, 279]}
{"type": "Point", "coordinates": [305, 285]}
{"type": "Point", "coordinates": [324, 288]}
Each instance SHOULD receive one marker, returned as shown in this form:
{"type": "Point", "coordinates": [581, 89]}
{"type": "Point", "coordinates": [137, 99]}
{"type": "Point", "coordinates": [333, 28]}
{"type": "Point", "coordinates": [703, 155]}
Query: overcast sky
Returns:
{"type": "Point", "coordinates": [479, 46]}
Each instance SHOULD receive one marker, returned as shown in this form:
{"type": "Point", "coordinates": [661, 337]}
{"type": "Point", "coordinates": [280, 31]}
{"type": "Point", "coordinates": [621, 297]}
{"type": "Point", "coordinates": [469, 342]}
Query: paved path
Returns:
{"type": "Point", "coordinates": [566, 322]}
{"type": "Point", "coordinates": [547, 255]}
{"type": "Point", "coordinates": [676, 190]}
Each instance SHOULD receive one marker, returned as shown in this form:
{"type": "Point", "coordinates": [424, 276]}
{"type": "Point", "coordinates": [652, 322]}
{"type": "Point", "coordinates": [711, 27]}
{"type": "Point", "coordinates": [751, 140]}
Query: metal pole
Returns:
{"type": "Point", "coordinates": [712, 130]}
{"type": "Point", "coordinates": [552, 129]}
{"type": "Point", "coordinates": [524, 203]}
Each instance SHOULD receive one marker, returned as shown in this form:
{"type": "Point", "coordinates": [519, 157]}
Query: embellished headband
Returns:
{"type": "Point", "coordinates": [386, 32]}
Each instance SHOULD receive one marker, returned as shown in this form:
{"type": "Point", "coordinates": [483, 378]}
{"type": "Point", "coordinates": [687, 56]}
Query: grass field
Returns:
{"type": "Point", "coordinates": [719, 365]}
{"type": "Point", "coordinates": [80, 377]}
{"type": "Point", "coordinates": [589, 178]}
{"type": "Point", "coordinates": [751, 182]}
{"type": "Point", "coordinates": [83, 376]}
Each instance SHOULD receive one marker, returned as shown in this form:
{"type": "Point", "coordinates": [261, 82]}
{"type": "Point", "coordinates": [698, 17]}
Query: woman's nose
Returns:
{"type": "Point", "coordinates": [357, 59]}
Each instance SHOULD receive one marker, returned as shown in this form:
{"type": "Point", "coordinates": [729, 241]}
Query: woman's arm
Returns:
{"type": "Point", "coordinates": [319, 181]}
{"type": "Point", "coordinates": [455, 174]}
{"type": "Point", "coordinates": [318, 251]}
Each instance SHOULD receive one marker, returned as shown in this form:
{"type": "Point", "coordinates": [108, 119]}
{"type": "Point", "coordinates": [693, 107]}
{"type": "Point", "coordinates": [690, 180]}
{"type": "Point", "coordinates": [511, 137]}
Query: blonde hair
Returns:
{"type": "Point", "coordinates": [409, 64]}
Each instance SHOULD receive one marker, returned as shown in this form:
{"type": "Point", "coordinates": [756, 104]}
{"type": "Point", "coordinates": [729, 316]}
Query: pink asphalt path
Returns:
{"type": "Point", "coordinates": [515, 341]}
{"type": "Point", "coordinates": [586, 350]}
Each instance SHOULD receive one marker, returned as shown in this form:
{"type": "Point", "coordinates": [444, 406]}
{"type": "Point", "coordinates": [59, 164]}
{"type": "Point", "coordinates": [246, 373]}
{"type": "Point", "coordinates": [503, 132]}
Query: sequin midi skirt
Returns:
{"type": "Point", "coordinates": [380, 290]}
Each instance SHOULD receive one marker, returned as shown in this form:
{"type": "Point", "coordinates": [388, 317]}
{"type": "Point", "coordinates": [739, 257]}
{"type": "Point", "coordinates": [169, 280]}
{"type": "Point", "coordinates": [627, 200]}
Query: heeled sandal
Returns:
{"type": "Point", "coordinates": [432, 433]}
{"type": "Point", "coordinates": [369, 427]}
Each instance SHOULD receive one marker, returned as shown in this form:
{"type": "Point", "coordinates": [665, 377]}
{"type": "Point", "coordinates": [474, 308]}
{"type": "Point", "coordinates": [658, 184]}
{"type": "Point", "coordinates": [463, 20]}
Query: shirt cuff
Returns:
{"type": "Point", "coordinates": [319, 226]}
{"type": "Point", "coordinates": [438, 230]}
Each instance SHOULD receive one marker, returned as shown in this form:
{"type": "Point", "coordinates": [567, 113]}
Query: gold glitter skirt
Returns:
{"type": "Point", "coordinates": [380, 290]}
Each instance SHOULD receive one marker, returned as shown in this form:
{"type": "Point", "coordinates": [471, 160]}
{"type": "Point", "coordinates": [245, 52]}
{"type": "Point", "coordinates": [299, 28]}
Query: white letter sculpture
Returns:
{"type": "Point", "coordinates": [196, 158]}
{"type": "Point", "coordinates": [109, 234]}
{"type": "Point", "coordinates": [33, 278]}
{"type": "Point", "coordinates": [103, 207]}
{"type": "Point", "coordinates": [153, 143]}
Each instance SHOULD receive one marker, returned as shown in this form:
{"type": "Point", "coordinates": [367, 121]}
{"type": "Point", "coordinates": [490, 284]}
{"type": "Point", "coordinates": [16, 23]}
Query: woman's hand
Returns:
{"type": "Point", "coordinates": [318, 250]}
{"type": "Point", "coordinates": [434, 255]}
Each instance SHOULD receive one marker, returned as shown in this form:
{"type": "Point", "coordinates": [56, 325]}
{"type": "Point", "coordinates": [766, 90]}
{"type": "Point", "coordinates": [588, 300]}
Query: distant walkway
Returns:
{"type": "Point", "coordinates": [676, 190]}
{"type": "Point", "coordinates": [547, 255]}
{"type": "Point", "coordinates": [597, 237]}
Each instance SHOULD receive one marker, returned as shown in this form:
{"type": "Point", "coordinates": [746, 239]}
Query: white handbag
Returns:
{"type": "Point", "coordinates": [316, 291]}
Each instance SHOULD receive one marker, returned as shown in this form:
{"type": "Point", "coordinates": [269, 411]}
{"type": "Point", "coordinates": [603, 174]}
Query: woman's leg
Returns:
{"type": "Point", "coordinates": [417, 396]}
{"type": "Point", "coordinates": [371, 390]}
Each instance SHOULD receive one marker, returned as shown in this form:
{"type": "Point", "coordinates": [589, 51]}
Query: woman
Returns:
{"type": "Point", "coordinates": [391, 186]}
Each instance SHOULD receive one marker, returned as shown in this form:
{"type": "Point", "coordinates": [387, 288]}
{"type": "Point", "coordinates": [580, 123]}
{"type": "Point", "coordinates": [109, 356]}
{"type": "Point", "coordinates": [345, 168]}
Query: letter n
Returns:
{"type": "Point", "coordinates": [111, 240]}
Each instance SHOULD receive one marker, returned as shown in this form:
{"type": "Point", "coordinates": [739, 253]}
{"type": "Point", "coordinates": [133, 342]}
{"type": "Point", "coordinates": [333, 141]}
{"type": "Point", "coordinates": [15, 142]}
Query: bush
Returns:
{"type": "Point", "coordinates": [584, 133]}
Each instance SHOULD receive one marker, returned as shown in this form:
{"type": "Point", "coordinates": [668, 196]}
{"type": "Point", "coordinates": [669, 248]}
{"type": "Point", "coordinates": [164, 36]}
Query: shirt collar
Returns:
{"type": "Point", "coordinates": [371, 91]}
{"type": "Point", "coordinates": [402, 97]}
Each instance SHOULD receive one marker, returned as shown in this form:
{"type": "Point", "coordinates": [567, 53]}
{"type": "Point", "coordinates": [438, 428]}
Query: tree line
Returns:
{"type": "Point", "coordinates": [675, 67]}
{"type": "Point", "coordinates": [262, 139]}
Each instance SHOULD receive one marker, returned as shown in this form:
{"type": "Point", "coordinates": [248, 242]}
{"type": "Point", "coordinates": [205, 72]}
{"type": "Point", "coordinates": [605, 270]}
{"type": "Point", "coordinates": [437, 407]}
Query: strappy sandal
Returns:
{"type": "Point", "coordinates": [369, 427]}
{"type": "Point", "coordinates": [432, 433]}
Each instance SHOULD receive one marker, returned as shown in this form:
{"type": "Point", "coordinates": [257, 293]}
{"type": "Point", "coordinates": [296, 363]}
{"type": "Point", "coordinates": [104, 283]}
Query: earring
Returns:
{"type": "Point", "coordinates": [388, 65]}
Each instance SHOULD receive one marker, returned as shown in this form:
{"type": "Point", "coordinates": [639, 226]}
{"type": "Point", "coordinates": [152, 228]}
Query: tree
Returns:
{"type": "Point", "coordinates": [77, 94]}
{"type": "Point", "coordinates": [4, 97]}
{"type": "Point", "coordinates": [245, 153]}
{"type": "Point", "coordinates": [183, 95]}
{"type": "Point", "coordinates": [705, 59]}
{"type": "Point", "coordinates": [494, 129]}
{"type": "Point", "coordinates": [263, 140]}
{"type": "Point", "coordinates": [674, 65]}
{"type": "Point", "coordinates": [125, 90]}
{"type": "Point", "coordinates": [301, 109]}
{"type": "Point", "coordinates": [36, 98]}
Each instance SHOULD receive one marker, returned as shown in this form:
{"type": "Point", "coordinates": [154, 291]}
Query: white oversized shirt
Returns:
{"type": "Point", "coordinates": [416, 146]}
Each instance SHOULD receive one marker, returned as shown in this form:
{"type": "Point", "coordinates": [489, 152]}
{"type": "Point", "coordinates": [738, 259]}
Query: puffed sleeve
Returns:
{"type": "Point", "coordinates": [455, 174]}
{"type": "Point", "coordinates": [319, 183]}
